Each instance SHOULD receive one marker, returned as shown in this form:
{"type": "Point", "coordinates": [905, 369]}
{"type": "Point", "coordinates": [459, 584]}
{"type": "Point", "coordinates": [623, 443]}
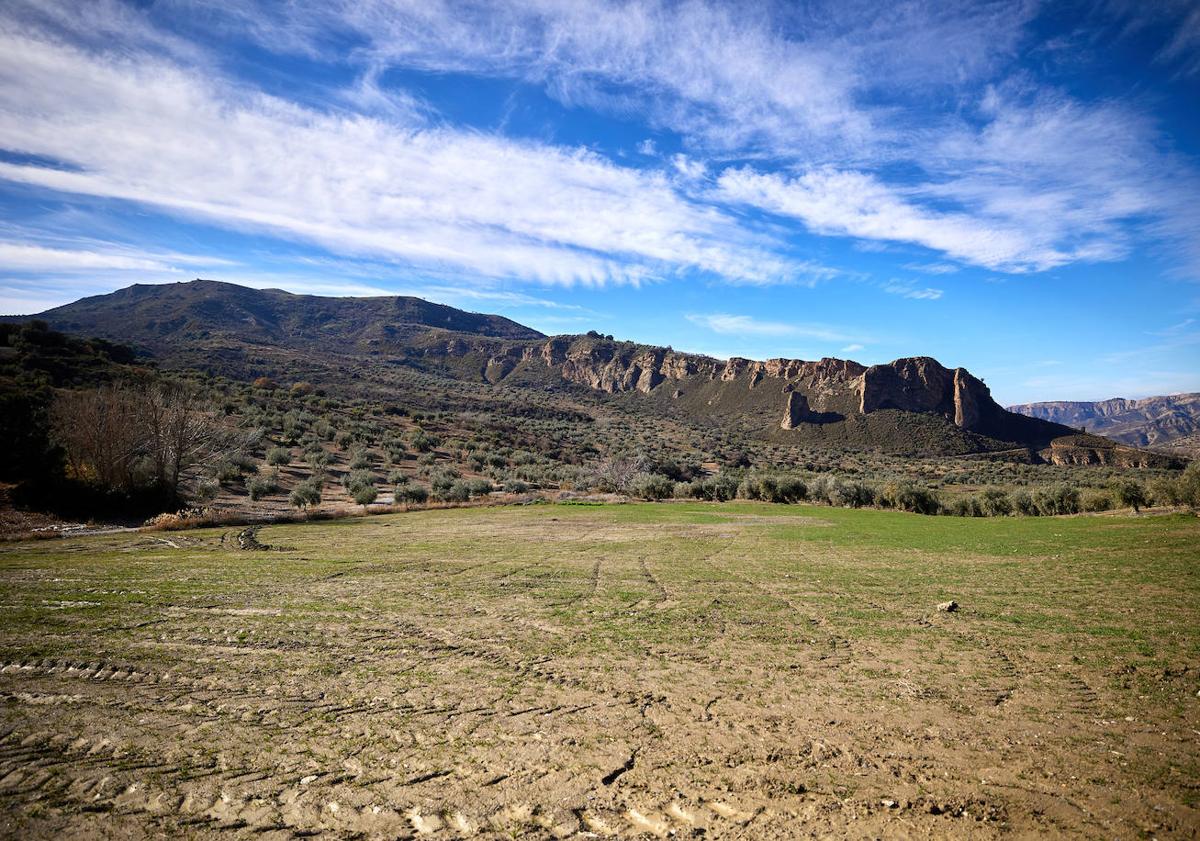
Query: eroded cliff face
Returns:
{"type": "Point", "coordinates": [787, 394]}
{"type": "Point", "coordinates": [1097, 451]}
{"type": "Point", "coordinates": [613, 368]}
{"type": "Point", "coordinates": [810, 391]}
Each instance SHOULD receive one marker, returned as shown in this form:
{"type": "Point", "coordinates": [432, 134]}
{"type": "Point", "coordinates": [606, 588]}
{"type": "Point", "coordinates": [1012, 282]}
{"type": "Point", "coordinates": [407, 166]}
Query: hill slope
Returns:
{"type": "Point", "coordinates": [912, 405]}
{"type": "Point", "coordinates": [158, 316]}
{"type": "Point", "coordinates": [1168, 423]}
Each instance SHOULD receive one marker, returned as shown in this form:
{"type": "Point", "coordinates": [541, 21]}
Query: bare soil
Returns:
{"type": "Point", "coordinates": [741, 671]}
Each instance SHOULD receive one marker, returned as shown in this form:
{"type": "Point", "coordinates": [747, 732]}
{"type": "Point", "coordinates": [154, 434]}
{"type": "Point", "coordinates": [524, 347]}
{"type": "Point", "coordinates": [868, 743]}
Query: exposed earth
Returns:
{"type": "Point", "coordinates": [736, 671]}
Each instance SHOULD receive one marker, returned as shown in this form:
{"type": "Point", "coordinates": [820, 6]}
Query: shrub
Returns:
{"type": "Point", "coordinates": [1060, 499]}
{"type": "Point", "coordinates": [318, 459]}
{"type": "Point", "coordinates": [1131, 493]}
{"type": "Point", "coordinates": [228, 471]}
{"type": "Point", "coordinates": [412, 494]}
{"type": "Point", "coordinates": [262, 485]}
{"type": "Point", "coordinates": [515, 486]}
{"type": "Point", "coordinates": [479, 487]}
{"type": "Point", "coordinates": [397, 477]}
{"type": "Point", "coordinates": [851, 494]}
{"type": "Point", "coordinates": [422, 441]}
{"type": "Point", "coordinates": [457, 491]}
{"type": "Point", "coordinates": [751, 487]}
{"type": "Point", "coordinates": [206, 490]}
{"type": "Point", "coordinates": [995, 503]}
{"type": "Point", "coordinates": [721, 488]}
{"type": "Point", "coordinates": [1023, 503]}
{"type": "Point", "coordinates": [358, 479]}
{"type": "Point", "coordinates": [790, 489]}
{"type": "Point", "coordinates": [365, 494]}
{"type": "Point", "coordinates": [965, 506]}
{"type": "Point", "coordinates": [1188, 485]}
{"type": "Point", "coordinates": [1165, 491]}
{"type": "Point", "coordinates": [306, 493]}
{"type": "Point", "coordinates": [279, 455]}
{"type": "Point", "coordinates": [773, 488]}
{"type": "Point", "coordinates": [360, 460]}
{"type": "Point", "coordinates": [651, 486]}
{"type": "Point", "coordinates": [441, 481]}
{"type": "Point", "coordinates": [1095, 500]}
{"type": "Point", "coordinates": [907, 496]}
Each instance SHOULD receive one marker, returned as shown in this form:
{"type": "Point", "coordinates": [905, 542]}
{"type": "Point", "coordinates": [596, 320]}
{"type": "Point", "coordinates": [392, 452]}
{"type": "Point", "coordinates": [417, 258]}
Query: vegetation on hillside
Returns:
{"type": "Point", "coordinates": [105, 434]}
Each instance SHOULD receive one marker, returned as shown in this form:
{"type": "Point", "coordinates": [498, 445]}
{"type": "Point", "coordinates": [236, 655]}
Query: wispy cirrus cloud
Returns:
{"type": "Point", "coordinates": [912, 291]}
{"type": "Point", "coordinates": [857, 204]}
{"type": "Point", "coordinates": [749, 326]}
{"type": "Point", "coordinates": [824, 110]}
{"type": "Point", "coordinates": [23, 256]}
{"type": "Point", "coordinates": [143, 129]}
{"type": "Point", "coordinates": [1034, 179]}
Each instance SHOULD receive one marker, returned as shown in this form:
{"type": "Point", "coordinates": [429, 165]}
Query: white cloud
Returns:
{"type": "Point", "coordinates": [1019, 179]}
{"type": "Point", "coordinates": [690, 168]}
{"type": "Point", "coordinates": [745, 325]}
{"type": "Point", "coordinates": [856, 204]}
{"type": "Point", "coordinates": [723, 75]}
{"type": "Point", "coordinates": [148, 131]}
{"type": "Point", "coordinates": [908, 290]}
{"type": "Point", "coordinates": [1176, 24]}
{"type": "Point", "coordinates": [768, 78]}
{"type": "Point", "coordinates": [1076, 180]}
{"type": "Point", "coordinates": [932, 268]}
{"type": "Point", "coordinates": [26, 257]}
{"type": "Point", "coordinates": [852, 348]}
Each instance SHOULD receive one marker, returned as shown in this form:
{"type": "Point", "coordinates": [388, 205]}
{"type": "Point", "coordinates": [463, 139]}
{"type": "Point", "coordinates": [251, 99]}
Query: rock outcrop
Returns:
{"type": "Point", "coordinates": [1170, 422]}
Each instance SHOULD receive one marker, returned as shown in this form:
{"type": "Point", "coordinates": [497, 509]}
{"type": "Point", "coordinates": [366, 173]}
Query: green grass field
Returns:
{"type": "Point", "coordinates": [741, 670]}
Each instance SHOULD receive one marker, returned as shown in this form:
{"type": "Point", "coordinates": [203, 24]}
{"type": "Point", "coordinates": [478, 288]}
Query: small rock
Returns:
{"type": "Point", "coordinates": [888, 804]}
{"type": "Point", "coordinates": [948, 607]}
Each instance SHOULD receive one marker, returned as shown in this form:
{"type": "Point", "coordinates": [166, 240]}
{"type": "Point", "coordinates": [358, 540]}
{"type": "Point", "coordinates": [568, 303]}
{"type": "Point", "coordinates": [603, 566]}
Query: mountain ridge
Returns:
{"type": "Point", "coordinates": [272, 313]}
{"type": "Point", "coordinates": [226, 328]}
{"type": "Point", "coordinates": [1168, 422]}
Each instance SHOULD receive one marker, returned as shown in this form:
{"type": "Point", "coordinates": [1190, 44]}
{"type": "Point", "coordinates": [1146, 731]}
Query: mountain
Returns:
{"type": "Point", "coordinates": [1170, 423]}
{"type": "Point", "coordinates": [406, 350]}
{"type": "Point", "coordinates": [163, 315]}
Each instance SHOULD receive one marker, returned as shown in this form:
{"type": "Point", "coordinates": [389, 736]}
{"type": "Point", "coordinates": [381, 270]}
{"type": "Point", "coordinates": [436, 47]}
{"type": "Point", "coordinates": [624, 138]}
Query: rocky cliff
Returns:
{"type": "Point", "coordinates": [821, 391]}
{"type": "Point", "coordinates": [1169, 423]}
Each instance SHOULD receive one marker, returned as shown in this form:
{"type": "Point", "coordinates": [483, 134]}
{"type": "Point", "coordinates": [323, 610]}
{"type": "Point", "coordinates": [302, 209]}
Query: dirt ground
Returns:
{"type": "Point", "coordinates": [735, 671]}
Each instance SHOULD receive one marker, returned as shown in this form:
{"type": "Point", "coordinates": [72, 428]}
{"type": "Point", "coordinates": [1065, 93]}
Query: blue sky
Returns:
{"type": "Point", "coordinates": [1013, 187]}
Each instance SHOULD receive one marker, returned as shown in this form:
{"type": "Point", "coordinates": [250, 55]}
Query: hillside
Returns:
{"type": "Point", "coordinates": [407, 350]}
{"type": "Point", "coordinates": [1169, 423]}
{"type": "Point", "coordinates": [158, 316]}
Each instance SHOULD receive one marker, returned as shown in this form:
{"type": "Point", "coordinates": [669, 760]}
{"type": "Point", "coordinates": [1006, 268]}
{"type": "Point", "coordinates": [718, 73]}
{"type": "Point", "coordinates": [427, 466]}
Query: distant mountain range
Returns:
{"type": "Point", "coordinates": [1170, 423]}
{"type": "Point", "coordinates": [362, 346]}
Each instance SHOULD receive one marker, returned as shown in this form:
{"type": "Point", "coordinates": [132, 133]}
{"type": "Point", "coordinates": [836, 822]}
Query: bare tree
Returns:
{"type": "Point", "coordinates": [126, 435]}
{"type": "Point", "coordinates": [616, 473]}
{"type": "Point", "coordinates": [100, 431]}
{"type": "Point", "coordinates": [181, 430]}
